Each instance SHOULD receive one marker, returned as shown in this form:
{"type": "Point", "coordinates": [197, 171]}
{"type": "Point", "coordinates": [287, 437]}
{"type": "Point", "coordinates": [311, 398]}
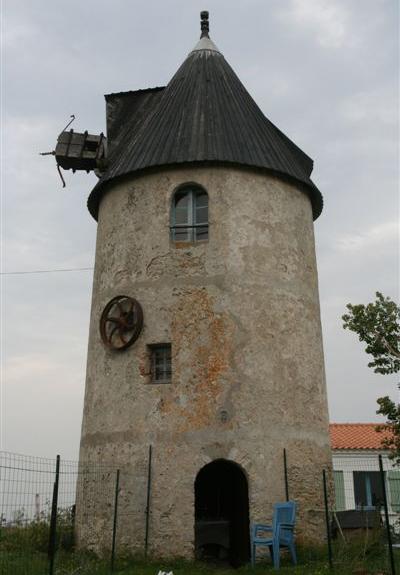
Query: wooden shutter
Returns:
{"type": "Point", "coordinates": [340, 501]}
{"type": "Point", "coordinates": [393, 478]}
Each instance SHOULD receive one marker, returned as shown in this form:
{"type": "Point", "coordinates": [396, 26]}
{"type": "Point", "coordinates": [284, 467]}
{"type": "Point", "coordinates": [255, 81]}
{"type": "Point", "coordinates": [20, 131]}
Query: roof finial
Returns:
{"type": "Point", "coordinates": [205, 26]}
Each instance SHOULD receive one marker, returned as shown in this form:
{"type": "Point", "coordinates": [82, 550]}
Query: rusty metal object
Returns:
{"type": "Point", "coordinates": [121, 322]}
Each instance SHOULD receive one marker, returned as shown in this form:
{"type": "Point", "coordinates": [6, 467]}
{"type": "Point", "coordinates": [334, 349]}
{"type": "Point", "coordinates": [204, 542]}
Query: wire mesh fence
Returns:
{"type": "Point", "coordinates": [26, 494]}
{"type": "Point", "coordinates": [365, 516]}
{"type": "Point", "coordinates": [40, 502]}
{"type": "Point", "coordinates": [51, 509]}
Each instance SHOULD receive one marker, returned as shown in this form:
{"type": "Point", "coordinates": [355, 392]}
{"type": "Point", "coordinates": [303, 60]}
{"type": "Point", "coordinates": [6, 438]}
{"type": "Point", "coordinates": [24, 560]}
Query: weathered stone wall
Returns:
{"type": "Point", "coordinates": [242, 314]}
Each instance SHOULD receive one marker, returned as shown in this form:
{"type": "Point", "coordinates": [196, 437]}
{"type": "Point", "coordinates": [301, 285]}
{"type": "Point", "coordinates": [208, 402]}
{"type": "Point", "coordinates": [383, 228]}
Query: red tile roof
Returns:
{"type": "Point", "coordinates": [356, 436]}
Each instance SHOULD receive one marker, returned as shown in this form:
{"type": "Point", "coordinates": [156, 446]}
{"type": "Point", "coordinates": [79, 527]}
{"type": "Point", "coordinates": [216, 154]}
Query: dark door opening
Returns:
{"type": "Point", "coordinates": [222, 513]}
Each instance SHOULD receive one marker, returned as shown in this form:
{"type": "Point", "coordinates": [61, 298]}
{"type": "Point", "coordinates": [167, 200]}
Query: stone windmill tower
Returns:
{"type": "Point", "coordinates": [205, 336]}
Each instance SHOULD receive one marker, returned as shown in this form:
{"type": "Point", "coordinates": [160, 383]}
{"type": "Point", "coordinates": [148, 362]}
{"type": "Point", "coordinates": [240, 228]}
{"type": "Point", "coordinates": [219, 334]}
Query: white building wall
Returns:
{"type": "Point", "coordinates": [349, 461]}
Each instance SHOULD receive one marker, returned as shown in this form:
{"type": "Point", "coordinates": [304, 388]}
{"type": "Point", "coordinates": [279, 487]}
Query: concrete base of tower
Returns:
{"type": "Point", "coordinates": [201, 503]}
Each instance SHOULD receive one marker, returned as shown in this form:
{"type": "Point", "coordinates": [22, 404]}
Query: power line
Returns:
{"type": "Point", "coordinates": [51, 271]}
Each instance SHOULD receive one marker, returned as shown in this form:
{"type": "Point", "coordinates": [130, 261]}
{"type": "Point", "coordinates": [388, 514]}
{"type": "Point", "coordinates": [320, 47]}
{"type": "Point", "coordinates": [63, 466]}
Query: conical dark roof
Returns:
{"type": "Point", "coordinates": [206, 115]}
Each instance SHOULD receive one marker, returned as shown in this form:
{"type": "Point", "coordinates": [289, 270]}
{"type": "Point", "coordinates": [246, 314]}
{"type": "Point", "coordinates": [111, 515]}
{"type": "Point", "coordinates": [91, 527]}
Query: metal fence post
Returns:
{"type": "Point", "coordinates": [286, 474]}
{"type": "Point", "coordinates": [114, 534]}
{"type": "Point", "coordinates": [146, 538]}
{"type": "Point", "coordinates": [328, 527]}
{"type": "Point", "coordinates": [385, 504]}
{"type": "Point", "coordinates": [53, 519]}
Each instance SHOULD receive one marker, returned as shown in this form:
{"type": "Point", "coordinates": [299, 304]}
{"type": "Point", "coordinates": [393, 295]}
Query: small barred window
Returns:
{"type": "Point", "coordinates": [161, 363]}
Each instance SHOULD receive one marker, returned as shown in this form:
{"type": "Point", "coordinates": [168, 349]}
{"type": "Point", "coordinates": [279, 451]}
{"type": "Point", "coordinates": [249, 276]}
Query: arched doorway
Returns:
{"type": "Point", "coordinates": [222, 513]}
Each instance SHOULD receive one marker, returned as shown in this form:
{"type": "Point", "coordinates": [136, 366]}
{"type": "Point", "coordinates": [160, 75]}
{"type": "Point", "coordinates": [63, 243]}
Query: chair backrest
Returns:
{"type": "Point", "coordinates": [284, 513]}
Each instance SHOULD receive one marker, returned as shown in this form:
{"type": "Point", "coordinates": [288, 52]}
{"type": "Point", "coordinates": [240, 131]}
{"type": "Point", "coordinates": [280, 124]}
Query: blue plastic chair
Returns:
{"type": "Point", "coordinates": [279, 534]}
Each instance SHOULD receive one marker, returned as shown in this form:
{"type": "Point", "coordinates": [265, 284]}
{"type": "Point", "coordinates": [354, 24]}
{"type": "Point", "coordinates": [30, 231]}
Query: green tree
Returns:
{"type": "Point", "coordinates": [377, 324]}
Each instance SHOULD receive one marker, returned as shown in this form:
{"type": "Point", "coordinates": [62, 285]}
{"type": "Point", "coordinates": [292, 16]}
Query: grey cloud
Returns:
{"type": "Point", "coordinates": [326, 72]}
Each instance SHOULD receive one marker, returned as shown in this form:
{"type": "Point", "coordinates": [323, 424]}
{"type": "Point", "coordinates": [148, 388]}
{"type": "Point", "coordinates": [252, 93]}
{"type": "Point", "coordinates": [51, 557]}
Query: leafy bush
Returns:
{"type": "Point", "coordinates": [23, 534]}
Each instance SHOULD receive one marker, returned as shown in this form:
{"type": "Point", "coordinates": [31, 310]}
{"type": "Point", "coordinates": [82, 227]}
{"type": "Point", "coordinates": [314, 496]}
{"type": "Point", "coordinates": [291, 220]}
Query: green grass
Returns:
{"type": "Point", "coordinates": [311, 562]}
{"type": "Point", "coordinates": [23, 552]}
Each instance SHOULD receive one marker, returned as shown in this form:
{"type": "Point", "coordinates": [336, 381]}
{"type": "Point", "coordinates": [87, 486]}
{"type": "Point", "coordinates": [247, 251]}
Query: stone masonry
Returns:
{"type": "Point", "coordinates": [241, 312]}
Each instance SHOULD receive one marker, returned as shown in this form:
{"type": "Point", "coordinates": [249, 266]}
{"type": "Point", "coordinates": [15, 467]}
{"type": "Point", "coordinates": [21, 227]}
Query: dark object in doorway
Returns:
{"type": "Point", "coordinates": [222, 513]}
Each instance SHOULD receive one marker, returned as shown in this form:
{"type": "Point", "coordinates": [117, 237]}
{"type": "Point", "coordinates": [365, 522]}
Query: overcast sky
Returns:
{"type": "Point", "coordinates": [324, 71]}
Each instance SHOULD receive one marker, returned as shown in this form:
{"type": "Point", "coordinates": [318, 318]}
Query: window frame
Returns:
{"type": "Point", "coordinates": [191, 226]}
{"type": "Point", "coordinates": [364, 483]}
{"type": "Point", "coordinates": [153, 349]}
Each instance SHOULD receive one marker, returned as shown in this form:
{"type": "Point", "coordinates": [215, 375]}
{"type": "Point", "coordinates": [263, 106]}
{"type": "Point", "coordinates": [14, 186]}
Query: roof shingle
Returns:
{"type": "Point", "coordinates": [356, 436]}
{"type": "Point", "coordinates": [206, 115]}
